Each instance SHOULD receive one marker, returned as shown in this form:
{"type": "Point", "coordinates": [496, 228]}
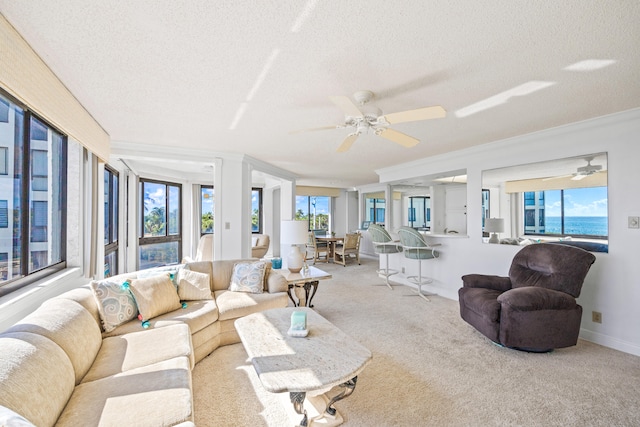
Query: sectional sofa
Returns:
{"type": "Point", "coordinates": [88, 358]}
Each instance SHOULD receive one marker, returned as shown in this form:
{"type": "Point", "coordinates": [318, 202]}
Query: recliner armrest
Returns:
{"type": "Point", "coordinates": [498, 283]}
{"type": "Point", "coordinates": [532, 298]}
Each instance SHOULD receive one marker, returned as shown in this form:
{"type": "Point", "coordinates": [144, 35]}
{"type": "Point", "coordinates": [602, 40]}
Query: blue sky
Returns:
{"type": "Point", "coordinates": [577, 202]}
{"type": "Point", "coordinates": [322, 204]}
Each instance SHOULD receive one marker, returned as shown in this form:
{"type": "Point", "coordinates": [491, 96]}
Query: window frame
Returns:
{"type": "Point", "coordinates": [298, 216]}
{"type": "Point", "coordinates": [257, 190]}
{"type": "Point", "coordinates": [168, 237]}
{"type": "Point", "coordinates": [201, 213]}
{"type": "Point", "coordinates": [23, 191]}
{"type": "Point", "coordinates": [111, 227]}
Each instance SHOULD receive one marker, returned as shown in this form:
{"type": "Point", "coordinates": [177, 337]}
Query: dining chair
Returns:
{"type": "Point", "coordinates": [317, 251]}
{"type": "Point", "coordinates": [350, 246]}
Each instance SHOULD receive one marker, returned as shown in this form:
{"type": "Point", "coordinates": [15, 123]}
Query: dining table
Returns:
{"type": "Point", "coordinates": [331, 241]}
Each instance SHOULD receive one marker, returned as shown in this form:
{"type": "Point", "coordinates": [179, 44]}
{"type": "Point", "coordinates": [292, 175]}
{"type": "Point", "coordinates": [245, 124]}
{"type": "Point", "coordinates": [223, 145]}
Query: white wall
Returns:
{"type": "Point", "coordinates": [612, 286]}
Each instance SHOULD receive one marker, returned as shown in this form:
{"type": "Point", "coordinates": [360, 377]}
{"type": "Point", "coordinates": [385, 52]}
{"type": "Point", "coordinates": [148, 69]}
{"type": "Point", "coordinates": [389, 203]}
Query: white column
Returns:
{"type": "Point", "coordinates": [232, 235]}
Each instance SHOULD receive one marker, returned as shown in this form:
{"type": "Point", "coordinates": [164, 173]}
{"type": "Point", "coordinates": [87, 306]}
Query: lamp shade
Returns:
{"type": "Point", "coordinates": [494, 225]}
{"type": "Point", "coordinates": [294, 232]}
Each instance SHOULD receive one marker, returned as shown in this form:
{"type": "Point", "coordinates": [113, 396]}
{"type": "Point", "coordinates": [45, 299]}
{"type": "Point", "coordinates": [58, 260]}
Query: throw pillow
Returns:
{"type": "Point", "coordinates": [248, 277]}
{"type": "Point", "coordinates": [157, 271]}
{"type": "Point", "coordinates": [254, 241]}
{"type": "Point", "coordinates": [115, 303]}
{"type": "Point", "coordinates": [193, 286]}
{"type": "Point", "coordinates": [267, 274]}
{"type": "Point", "coordinates": [154, 295]}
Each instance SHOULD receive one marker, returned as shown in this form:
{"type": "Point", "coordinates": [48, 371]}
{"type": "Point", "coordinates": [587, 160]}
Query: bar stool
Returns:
{"type": "Point", "coordinates": [416, 247]}
{"type": "Point", "coordinates": [383, 244]}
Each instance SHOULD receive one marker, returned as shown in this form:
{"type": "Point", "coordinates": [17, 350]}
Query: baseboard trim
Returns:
{"type": "Point", "coordinates": [610, 342]}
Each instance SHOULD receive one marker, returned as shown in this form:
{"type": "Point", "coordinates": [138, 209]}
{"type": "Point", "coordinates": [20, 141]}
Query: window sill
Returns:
{"type": "Point", "coordinates": [17, 304]}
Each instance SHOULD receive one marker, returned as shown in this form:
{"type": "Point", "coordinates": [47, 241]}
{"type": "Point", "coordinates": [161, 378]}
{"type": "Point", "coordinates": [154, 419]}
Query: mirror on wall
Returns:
{"type": "Point", "coordinates": [375, 206]}
{"type": "Point", "coordinates": [558, 200]}
{"type": "Point", "coordinates": [434, 204]}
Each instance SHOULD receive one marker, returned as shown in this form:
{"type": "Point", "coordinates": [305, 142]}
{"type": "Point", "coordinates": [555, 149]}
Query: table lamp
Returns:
{"type": "Point", "coordinates": [294, 233]}
{"type": "Point", "coordinates": [494, 226]}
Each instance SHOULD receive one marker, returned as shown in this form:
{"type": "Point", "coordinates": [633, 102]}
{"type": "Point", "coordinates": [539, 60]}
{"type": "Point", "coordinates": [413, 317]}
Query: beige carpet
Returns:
{"type": "Point", "coordinates": [430, 368]}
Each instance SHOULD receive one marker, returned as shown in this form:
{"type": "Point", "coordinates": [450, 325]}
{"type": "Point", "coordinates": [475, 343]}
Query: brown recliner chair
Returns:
{"type": "Point", "coordinates": [534, 309]}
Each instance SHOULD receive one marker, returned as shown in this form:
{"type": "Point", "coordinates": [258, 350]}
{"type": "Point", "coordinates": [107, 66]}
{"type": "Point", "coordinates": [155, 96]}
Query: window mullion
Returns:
{"type": "Point", "coordinates": [25, 233]}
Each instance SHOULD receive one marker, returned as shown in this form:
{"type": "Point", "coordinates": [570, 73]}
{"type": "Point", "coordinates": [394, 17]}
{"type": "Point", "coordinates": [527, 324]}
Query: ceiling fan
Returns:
{"type": "Point", "coordinates": [582, 171]}
{"type": "Point", "coordinates": [365, 117]}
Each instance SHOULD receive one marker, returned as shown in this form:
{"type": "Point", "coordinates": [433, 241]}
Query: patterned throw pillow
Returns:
{"type": "Point", "coordinates": [154, 295]}
{"type": "Point", "coordinates": [248, 277]}
{"type": "Point", "coordinates": [193, 286]}
{"type": "Point", "coordinates": [115, 303]}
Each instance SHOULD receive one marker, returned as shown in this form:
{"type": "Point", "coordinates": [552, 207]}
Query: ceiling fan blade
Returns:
{"type": "Point", "coordinates": [346, 105]}
{"type": "Point", "coordinates": [293, 132]}
{"type": "Point", "coordinates": [425, 113]}
{"type": "Point", "coordinates": [578, 177]}
{"type": "Point", "coordinates": [348, 142]}
{"type": "Point", "coordinates": [398, 137]}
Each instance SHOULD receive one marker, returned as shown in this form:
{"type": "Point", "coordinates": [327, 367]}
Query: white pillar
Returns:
{"type": "Point", "coordinates": [232, 211]}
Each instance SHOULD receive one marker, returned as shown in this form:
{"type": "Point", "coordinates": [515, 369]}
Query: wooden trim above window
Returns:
{"type": "Point", "coordinates": [26, 77]}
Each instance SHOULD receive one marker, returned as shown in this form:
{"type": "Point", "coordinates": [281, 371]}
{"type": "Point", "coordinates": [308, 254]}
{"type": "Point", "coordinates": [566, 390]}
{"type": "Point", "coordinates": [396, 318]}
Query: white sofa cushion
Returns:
{"type": "Point", "coordinates": [137, 349]}
{"type": "Point", "coordinates": [193, 286]}
{"type": "Point", "coordinates": [197, 314]}
{"type": "Point", "coordinates": [37, 377]}
{"type": "Point", "coordinates": [232, 305]}
{"type": "Point", "coordinates": [150, 396]}
{"type": "Point", "coordinates": [69, 325]}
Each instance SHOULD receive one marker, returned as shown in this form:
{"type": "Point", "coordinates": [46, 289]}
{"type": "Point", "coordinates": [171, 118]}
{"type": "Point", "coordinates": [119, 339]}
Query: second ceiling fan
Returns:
{"type": "Point", "coordinates": [365, 117]}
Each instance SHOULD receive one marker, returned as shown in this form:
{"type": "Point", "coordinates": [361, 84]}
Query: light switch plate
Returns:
{"type": "Point", "coordinates": [634, 222]}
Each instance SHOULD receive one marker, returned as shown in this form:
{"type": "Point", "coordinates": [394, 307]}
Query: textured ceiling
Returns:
{"type": "Point", "coordinates": [239, 76]}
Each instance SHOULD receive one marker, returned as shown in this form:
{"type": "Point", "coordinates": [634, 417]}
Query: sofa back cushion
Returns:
{"type": "Point", "coordinates": [70, 326]}
{"type": "Point", "coordinates": [558, 267]}
{"type": "Point", "coordinates": [84, 296]}
{"type": "Point", "coordinates": [36, 377]}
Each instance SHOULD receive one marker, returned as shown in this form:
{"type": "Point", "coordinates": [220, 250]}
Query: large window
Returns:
{"type": "Point", "coordinates": [256, 210]}
{"type": "Point", "coordinates": [110, 222]}
{"type": "Point", "coordinates": [207, 203]}
{"type": "Point", "coordinates": [160, 230]}
{"type": "Point", "coordinates": [314, 209]}
{"type": "Point", "coordinates": [33, 195]}
{"type": "Point", "coordinates": [576, 212]}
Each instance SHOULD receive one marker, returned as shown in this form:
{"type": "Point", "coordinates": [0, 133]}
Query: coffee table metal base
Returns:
{"type": "Point", "coordinates": [309, 287]}
{"type": "Point", "coordinates": [330, 415]}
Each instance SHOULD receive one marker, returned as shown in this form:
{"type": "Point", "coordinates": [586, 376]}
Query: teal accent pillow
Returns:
{"type": "Point", "coordinates": [248, 277]}
{"type": "Point", "coordinates": [115, 303]}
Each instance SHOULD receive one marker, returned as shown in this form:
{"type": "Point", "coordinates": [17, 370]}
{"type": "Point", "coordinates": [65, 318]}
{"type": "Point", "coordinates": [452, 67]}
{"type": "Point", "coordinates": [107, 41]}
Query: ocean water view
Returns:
{"type": "Point", "coordinates": [577, 225]}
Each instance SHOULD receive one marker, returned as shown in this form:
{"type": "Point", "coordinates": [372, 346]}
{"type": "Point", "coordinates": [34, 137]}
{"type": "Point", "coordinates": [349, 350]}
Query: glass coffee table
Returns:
{"type": "Point", "coordinates": [303, 367]}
